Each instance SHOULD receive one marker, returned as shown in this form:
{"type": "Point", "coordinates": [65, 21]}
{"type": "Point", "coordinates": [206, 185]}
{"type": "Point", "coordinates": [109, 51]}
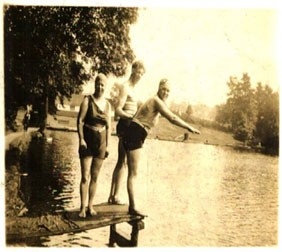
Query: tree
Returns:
{"type": "Point", "coordinates": [241, 104]}
{"type": "Point", "coordinates": [252, 114]}
{"type": "Point", "coordinates": [50, 52]}
{"type": "Point", "coordinates": [267, 124]}
{"type": "Point", "coordinates": [223, 115]}
{"type": "Point", "coordinates": [189, 111]}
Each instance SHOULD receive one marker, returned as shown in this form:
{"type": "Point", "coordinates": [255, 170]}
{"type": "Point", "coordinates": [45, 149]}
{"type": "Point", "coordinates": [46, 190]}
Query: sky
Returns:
{"type": "Point", "coordinates": [199, 46]}
{"type": "Point", "coordinates": [199, 49]}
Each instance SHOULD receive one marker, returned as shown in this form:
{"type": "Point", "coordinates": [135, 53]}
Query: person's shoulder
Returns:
{"type": "Point", "coordinates": [124, 88]}
{"type": "Point", "coordinates": [156, 99]}
{"type": "Point", "coordinates": [118, 84]}
{"type": "Point", "coordinates": [86, 99]}
{"type": "Point", "coordinates": [151, 102]}
{"type": "Point", "coordinates": [121, 86]}
{"type": "Point", "coordinates": [108, 104]}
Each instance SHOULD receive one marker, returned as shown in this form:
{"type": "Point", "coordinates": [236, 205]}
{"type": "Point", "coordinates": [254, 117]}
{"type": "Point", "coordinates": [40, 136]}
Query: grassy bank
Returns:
{"type": "Point", "coordinates": [167, 131]}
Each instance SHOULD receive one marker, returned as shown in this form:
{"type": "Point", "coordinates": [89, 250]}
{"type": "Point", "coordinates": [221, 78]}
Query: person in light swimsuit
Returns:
{"type": "Point", "coordinates": [146, 118]}
{"type": "Point", "coordinates": [126, 108]}
{"type": "Point", "coordinates": [93, 126]}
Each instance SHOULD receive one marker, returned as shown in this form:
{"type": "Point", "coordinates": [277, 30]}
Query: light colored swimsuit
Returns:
{"type": "Point", "coordinates": [129, 107]}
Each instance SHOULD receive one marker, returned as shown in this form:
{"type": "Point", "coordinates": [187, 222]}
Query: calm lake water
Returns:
{"type": "Point", "coordinates": [194, 194]}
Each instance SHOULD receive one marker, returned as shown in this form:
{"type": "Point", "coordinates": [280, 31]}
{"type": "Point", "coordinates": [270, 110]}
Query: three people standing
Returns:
{"type": "Point", "coordinates": [134, 124]}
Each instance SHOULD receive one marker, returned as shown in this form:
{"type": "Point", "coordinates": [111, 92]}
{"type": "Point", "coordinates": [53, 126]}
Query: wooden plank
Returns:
{"type": "Point", "coordinates": [70, 222]}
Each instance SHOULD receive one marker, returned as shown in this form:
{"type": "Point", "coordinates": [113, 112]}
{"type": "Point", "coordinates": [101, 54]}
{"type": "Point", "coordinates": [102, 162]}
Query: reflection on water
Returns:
{"type": "Point", "coordinates": [194, 194]}
{"type": "Point", "coordinates": [53, 174]}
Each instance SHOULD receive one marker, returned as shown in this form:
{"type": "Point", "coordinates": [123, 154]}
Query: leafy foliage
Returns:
{"type": "Point", "coordinates": [267, 124]}
{"type": "Point", "coordinates": [242, 106]}
{"type": "Point", "coordinates": [223, 115]}
{"type": "Point", "coordinates": [189, 110]}
{"type": "Point", "coordinates": [51, 51]}
{"type": "Point", "coordinates": [252, 114]}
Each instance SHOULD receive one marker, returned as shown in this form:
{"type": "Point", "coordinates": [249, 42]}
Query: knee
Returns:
{"type": "Point", "coordinates": [84, 179]}
{"type": "Point", "coordinates": [94, 178]}
{"type": "Point", "coordinates": [95, 175]}
{"type": "Point", "coordinates": [132, 174]}
{"type": "Point", "coordinates": [120, 165]}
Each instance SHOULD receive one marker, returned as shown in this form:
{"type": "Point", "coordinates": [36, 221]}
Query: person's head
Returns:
{"type": "Point", "coordinates": [100, 84]}
{"type": "Point", "coordinates": [164, 89]}
{"type": "Point", "coordinates": [137, 71]}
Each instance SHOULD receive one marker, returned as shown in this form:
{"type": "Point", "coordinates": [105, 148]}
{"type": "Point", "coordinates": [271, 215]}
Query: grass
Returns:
{"type": "Point", "coordinates": [167, 131]}
{"type": "Point", "coordinates": [164, 130]}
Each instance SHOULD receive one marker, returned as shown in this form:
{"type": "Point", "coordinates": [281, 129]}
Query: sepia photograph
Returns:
{"type": "Point", "coordinates": [150, 126]}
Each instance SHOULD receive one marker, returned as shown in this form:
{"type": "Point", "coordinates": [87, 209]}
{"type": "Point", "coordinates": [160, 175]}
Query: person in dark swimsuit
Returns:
{"type": "Point", "coordinates": [93, 126]}
{"type": "Point", "coordinates": [145, 119]}
{"type": "Point", "coordinates": [125, 109]}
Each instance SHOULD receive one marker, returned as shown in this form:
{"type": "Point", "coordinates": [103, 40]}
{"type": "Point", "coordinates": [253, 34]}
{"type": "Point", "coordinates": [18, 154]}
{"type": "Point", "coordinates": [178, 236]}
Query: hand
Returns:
{"type": "Point", "coordinates": [194, 131]}
{"type": "Point", "coordinates": [82, 149]}
{"type": "Point", "coordinates": [82, 144]}
{"type": "Point", "coordinates": [107, 154]}
{"type": "Point", "coordinates": [197, 132]}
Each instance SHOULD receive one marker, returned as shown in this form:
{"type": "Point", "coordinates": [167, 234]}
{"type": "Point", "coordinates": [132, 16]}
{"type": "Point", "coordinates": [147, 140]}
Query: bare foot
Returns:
{"type": "Point", "coordinates": [82, 213]}
{"type": "Point", "coordinates": [92, 212]}
{"type": "Point", "coordinates": [114, 200]}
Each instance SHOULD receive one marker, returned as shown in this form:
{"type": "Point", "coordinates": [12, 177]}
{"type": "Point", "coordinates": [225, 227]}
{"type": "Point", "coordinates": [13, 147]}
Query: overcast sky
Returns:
{"type": "Point", "coordinates": [199, 49]}
{"type": "Point", "coordinates": [199, 45]}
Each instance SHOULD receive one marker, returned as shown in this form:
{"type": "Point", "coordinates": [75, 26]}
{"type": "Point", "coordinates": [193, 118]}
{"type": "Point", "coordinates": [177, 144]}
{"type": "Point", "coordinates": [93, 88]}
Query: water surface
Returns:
{"type": "Point", "coordinates": [194, 194]}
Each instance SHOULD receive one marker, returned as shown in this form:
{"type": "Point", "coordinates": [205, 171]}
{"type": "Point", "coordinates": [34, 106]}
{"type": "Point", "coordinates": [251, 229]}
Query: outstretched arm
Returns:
{"type": "Point", "coordinates": [172, 118]}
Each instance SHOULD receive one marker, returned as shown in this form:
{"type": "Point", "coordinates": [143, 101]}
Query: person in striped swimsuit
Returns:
{"type": "Point", "coordinates": [126, 108]}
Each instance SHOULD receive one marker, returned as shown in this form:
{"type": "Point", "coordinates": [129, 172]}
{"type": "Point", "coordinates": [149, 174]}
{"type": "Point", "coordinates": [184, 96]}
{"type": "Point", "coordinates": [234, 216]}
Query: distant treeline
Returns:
{"type": "Point", "coordinates": [251, 115]}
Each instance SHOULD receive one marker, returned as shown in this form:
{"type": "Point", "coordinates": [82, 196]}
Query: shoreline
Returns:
{"type": "Point", "coordinates": [15, 208]}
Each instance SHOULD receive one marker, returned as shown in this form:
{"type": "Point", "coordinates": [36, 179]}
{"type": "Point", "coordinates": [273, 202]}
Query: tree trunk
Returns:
{"type": "Point", "coordinates": [45, 110]}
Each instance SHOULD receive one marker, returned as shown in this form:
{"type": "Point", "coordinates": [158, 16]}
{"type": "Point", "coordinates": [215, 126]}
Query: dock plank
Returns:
{"type": "Point", "coordinates": [70, 222]}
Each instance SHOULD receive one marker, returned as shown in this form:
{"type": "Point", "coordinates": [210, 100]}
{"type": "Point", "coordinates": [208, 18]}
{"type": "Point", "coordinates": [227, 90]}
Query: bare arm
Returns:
{"type": "Point", "coordinates": [121, 101]}
{"type": "Point", "coordinates": [109, 128]}
{"type": "Point", "coordinates": [172, 118]}
{"type": "Point", "coordinates": [80, 120]}
{"type": "Point", "coordinates": [139, 104]}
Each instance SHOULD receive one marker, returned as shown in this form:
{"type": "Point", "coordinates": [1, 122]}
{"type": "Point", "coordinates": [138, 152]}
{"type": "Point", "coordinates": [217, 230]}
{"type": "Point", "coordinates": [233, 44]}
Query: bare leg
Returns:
{"type": "Point", "coordinates": [85, 164]}
{"type": "Point", "coordinates": [133, 159]}
{"type": "Point", "coordinates": [95, 170]}
{"type": "Point", "coordinates": [118, 173]}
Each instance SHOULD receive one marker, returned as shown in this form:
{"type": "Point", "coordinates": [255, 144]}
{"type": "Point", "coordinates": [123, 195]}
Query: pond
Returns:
{"type": "Point", "coordinates": [194, 194]}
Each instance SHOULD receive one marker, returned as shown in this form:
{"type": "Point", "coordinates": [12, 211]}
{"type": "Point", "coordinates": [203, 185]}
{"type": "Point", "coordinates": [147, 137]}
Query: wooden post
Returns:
{"type": "Point", "coordinates": [112, 235]}
{"type": "Point", "coordinates": [136, 226]}
{"type": "Point", "coordinates": [118, 239]}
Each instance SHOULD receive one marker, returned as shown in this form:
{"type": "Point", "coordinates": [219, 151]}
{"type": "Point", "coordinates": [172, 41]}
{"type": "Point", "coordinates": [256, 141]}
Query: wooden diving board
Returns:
{"type": "Point", "coordinates": [70, 222]}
